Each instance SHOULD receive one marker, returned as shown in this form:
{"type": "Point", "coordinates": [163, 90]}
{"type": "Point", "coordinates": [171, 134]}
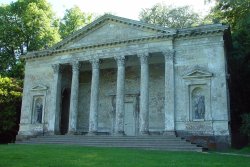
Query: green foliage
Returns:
{"type": "Point", "coordinates": [245, 128]}
{"type": "Point", "coordinates": [10, 97]}
{"type": "Point", "coordinates": [168, 16]}
{"type": "Point", "coordinates": [10, 90]}
{"type": "Point", "coordinates": [25, 25]}
{"type": "Point", "coordinates": [73, 20]}
{"type": "Point", "coordinates": [231, 11]}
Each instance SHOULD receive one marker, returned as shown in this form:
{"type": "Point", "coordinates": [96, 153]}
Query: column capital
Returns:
{"type": "Point", "coordinates": [75, 65]}
{"type": "Point", "coordinates": [143, 57]}
{"type": "Point", "coordinates": [57, 68]}
{"type": "Point", "coordinates": [95, 63]}
{"type": "Point", "coordinates": [120, 60]}
{"type": "Point", "coordinates": [169, 54]}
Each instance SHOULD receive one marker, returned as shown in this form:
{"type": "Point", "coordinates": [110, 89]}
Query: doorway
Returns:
{"type": "Point", "coordinates": [64, 123]}
{"type": "Point", "coordinates": [130, 119]}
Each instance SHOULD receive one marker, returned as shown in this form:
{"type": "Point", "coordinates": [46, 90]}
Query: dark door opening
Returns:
{"type": "Point", "coordinates": [64, 123]}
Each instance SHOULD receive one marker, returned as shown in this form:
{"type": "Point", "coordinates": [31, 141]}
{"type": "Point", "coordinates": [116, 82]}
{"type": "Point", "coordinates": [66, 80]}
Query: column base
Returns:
{"type": "Point", "coordinates": [144, 133]}
{"type": "Point", "coordinates": [92, 133]}
{"type": "Point", "coordinates": [119, 133]}
{"type": "Point", "coordinates": [23, 137]}
{"type": "Point", "coordinates": [71, 133]}
{"type": "Point", "coordinates": [169, 133]}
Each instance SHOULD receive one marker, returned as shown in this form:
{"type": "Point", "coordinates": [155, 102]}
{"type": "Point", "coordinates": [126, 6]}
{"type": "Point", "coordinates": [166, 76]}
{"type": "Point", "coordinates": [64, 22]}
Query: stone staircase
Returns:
{"type": "Point", "coordinates": [170, 143]}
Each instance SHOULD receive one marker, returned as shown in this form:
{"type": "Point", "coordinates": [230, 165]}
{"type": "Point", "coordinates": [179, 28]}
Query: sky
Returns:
{"type": "Point", "coordinates": [123, 8]}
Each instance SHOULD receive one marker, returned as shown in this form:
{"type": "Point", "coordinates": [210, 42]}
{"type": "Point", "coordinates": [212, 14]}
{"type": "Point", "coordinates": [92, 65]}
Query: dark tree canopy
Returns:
{"type": "Point", "coordinates": [168, 16]}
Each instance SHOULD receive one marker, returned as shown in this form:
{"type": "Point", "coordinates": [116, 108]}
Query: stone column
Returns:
{"type": "Point", "coordinates": [94, 97]}
{"type": "Point", "coordinates": [53, 127]}
{"type": "Point", "coordinates": [144, 96]}
{"type": "Point", "coordinates": [119, 120]}
{"type": "Point", "coordinates": [73, 110]}
{"type": "Point", "coordinates": [169, 105]}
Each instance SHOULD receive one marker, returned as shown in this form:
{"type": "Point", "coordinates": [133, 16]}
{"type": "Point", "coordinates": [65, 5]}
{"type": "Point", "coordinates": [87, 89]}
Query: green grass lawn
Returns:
{"type": "Point", "coordinates": [68, 156]}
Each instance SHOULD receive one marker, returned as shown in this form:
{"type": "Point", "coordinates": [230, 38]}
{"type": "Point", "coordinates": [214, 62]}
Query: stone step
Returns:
{"type": "Point", "coordinates": [113, 143]}
{"type": "Point", "coordinates": [110, 139]}
{"type": "Point", "coordinates": [110, 142]}
{"type": "Point", "coordinates": [144, 142]}
{"type": "Point", "coordinates": [147, 147]}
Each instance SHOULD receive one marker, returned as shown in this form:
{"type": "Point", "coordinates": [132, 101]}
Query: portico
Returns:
{"type": "Point", "coordinates": [143, 91]}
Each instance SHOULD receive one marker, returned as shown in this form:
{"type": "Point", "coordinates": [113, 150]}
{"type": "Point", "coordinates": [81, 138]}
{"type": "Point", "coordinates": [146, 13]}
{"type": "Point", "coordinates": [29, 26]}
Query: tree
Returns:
{"type": "Point", "coordinates": [26, 25]}
{"type": "Point", "coordinates": [230, 11]}
{"type": "Point", "coordinates": [169, 16]}
{"type": "Point", "coordinates": [236, 13]}
{"type": "Point", "coordinates": [10, 102]}
{"type": "Point", "coordinates": [73, 20]}
{"type": "Point", "coordinates": [245, 128]}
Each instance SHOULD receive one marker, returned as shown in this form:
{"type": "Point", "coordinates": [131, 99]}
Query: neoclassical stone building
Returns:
{"type": "Point", "coordinates": [118, 76]}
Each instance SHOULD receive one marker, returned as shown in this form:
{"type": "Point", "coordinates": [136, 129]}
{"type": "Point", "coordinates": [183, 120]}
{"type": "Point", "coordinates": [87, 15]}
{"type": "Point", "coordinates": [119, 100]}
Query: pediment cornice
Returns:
{"type": "Point", "coordinates": [197, 72]}
{"type": "Point", "coordinates": [107, 18]}
{"type": "Point", "coordinates": [161, 33]}
{"type": "Point", "coordinates": [39, 87]}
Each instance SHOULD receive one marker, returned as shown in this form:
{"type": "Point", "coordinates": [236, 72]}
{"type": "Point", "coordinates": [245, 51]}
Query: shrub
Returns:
{"type": "Point", "coordinates": [245, 127]}
{"type": "Point", "coordinates": [10, 102]}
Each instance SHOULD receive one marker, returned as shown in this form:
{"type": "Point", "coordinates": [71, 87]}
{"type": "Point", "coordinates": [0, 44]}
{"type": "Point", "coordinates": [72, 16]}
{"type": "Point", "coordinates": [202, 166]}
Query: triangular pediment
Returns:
{"type": "Point", "coordinates": [197, 73]}
{"type": "Point", "coordinates": [39, 87]}
{"type": "Point", "coordinates": [108, 29]}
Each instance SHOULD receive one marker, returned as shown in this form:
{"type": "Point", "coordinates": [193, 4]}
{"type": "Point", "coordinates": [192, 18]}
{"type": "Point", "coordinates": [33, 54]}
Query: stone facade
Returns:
{"type": "Point", "coordinates": [118, 76]}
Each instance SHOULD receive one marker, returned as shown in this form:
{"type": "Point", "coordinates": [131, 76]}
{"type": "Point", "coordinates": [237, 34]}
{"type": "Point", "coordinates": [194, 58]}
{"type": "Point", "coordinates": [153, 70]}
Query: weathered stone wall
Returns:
{"type": "Point", "coordinates": [36, 74]}
{"type": "Point", "coordinates": [206, 53]}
